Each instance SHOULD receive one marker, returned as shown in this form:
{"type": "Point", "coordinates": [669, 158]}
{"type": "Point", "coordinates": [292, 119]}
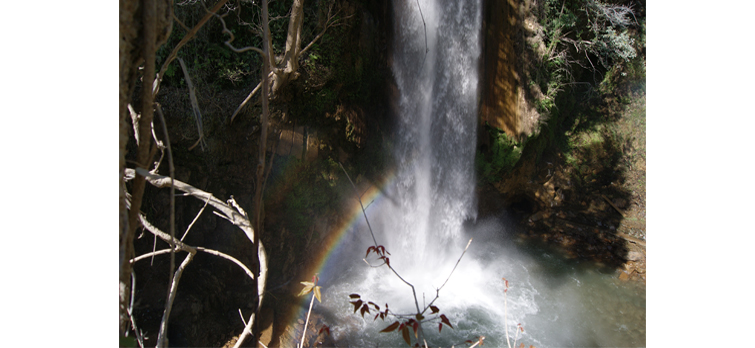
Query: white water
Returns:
{"type": "Point", "coordinates": [421, 221]}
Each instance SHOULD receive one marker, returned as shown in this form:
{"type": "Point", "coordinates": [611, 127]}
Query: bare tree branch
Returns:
{"type": "Point", "coordinates": [356, 193]}
{"type": "Point", "coordinates": [232, 215]}
{"type": "Point", "coordinates": [229, 258]}
{"type": "Point", "coordinates": [437, 291]}
{"type": "Point", "coordinates": [195, 219]}
{"type": "Point", "coordinates": [171, 170]}
{"type": "Point", "coordinates": [154, 253]}
{"type": "Point", "coordinates": [194, 106]}
{"type": "Point", "coordinates": [261, 281]}
{"type": "Point", "coordinates": [139, 336]}
{"type": "Point", "coordinates": [162, 335]}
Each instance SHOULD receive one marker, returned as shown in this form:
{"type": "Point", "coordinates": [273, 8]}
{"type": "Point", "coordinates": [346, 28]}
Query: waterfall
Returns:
{"type": "Point", "coordinates": [422, 222]}
{"type": "Point", "coordinates": [436, 75]}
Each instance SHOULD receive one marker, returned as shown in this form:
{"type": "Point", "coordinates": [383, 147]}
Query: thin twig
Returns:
{"type": "Point", "coordinates": [479, 341]}
{"type": "Point", "coordinates": [172, 185]}
{"type": "Point", "coordinates": [134, 122]}
{"type": "Point", "coordinates": [304, 331]}
{"type": "Point", "coordinates": [246, 100]}
{"type": "Point", "coordinates": [154, 246]}
{"type": "Point", "coordinates": [154, 253]}
{"type": "Point", "coordinates": [229, 258]}
{"type": "Point", "coordinates": [261, 281]}
{"type": "Point", "coordinates": [356, 193]}
{"type": "Point", "coordinates": [175, 244]}
{"type": "Point", "coordinates": [424, 26]}
{"type": "Point", "coordinates": [242, 317]}
{"type": "Point", "coordinates": [194, 106]}
{"type": "Point", "coordinates": [160, 146]}
{"type": "Point", "coordinates": [179, 22]}
{"type": "Point", "coordinates": [162, 335]}
{"type": "Point", "coordinates": [195, 218]}
{"type": "Point", "coordinates": [139, 337]}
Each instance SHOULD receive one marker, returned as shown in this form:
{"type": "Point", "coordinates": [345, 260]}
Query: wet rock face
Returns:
{"type": "Point", "coordinates": [589, 222]}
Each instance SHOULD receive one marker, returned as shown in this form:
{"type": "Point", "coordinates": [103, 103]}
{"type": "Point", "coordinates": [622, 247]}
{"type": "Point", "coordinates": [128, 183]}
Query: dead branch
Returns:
{"type": "Point", "coordinates": [162, 335]}
{"type": "Point", "coordinates": [139, 336]}
{"type": "Point", "coordinates": [424, 25]}
{"type": "Point", "coordinates": [232, 215]}
{"type": "Point", "coordinates": [614, 206]}
{"type": "Point", "coordinates": [229, 258]}
{"type": "Point", "coordinates": [154, 253]}
{"type": "Point", "coordinates": [261, 282]}
{"type": "Point", "coordinates": [181, 24]}
{"type": "Point", "coordinates": [237, 217]}
{"type": "Point", "coordinates": [160, 145]}
{"type": "Point", "coordinates": [172, 241]}
{"type": "Point", "coordinates": [134, 122]}
{"type": "Point", "coordinates": [195, 219]}
{"type": "Point", "coordinates": [171, 170]}
{"type": "Point", "coordinates": [246, 100]}
{"type": "Point", "coordinates": [356, 193]}
{"type": "Point", "coordinates": [437, 291]}
{"type": "Point", "coordinates": [194, 106]}
{"type": "Point", "coordinates": [191, 252]}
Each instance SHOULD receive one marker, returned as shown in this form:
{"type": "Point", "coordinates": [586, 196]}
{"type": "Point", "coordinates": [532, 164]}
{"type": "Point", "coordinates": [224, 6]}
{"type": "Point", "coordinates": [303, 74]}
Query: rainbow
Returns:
{"type": "Point", "coordinates": [335, 237]}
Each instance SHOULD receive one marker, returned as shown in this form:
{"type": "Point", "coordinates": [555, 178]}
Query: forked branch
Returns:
{"type": "Point", "coordinates": [419, 313]}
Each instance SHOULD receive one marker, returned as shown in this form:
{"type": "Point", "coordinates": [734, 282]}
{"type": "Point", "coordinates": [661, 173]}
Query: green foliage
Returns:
{"type": "Point", "coordinates": [503, 155]}
{"type": "Point", "coordinates": [616, 46]}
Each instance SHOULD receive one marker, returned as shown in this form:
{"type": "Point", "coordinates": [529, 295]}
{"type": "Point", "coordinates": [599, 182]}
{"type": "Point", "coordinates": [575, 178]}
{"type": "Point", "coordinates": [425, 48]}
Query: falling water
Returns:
{"type": "Point", "coordinates": [421, 220]}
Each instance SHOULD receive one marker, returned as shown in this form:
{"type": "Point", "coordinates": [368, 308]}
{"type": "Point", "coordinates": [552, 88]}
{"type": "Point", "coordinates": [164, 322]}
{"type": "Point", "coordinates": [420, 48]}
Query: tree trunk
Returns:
{"type": "Point", "coordinates": [128, 53]}
{"type": "Point", "coordinates": [143, 26]}
{"type": "Point", "coordinates": [290, 62]}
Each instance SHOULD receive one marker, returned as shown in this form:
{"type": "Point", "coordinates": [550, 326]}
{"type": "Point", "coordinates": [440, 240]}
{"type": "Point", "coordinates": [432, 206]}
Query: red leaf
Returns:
{"type": "Point", "coordinates": [354, 296]}
{"type": "Point", "coordinates": [364, 309]}
{"type": "Point", "coordinates": [415, 326]}
{"type": "Point", "coordinates": [434, 309]}
{"type": "Point", "coordinates": [357, 304]}
{"type": "Point", "coordinates": [444, 320]}
{"type": "Point", "coordinates": [326, 329]}
{"type": "Point", "coordinates": [387, 261]}
{"type": "Point", "coordinates": [391, 327]}
{"type": "Point", "coordinates": [405, 334]}
{"type": "Point", "coordinates": [469, 341]}
{"type": "Point", "coordinates": [440, 327]}
{"type": "Point", "coordinates": [368, 251]}
{"type": "Point", "coordinates": [376, 316]}
{"type": "Point", "coordinates": [373, 304]}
